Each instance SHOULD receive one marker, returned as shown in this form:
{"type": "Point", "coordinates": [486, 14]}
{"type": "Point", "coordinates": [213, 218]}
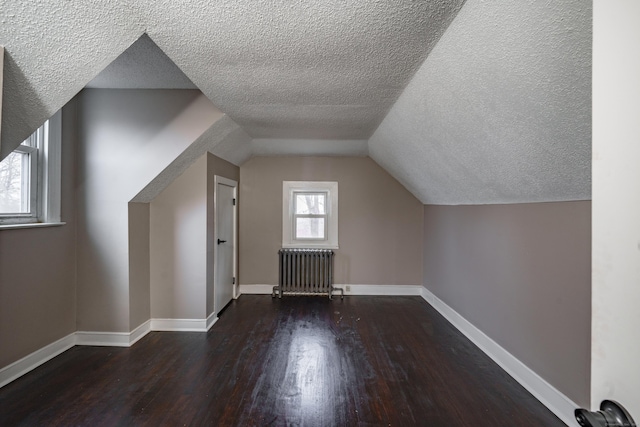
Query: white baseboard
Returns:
{"type": "Point", "coordinates": [390, 290]}
{"type": "Point", "coordinates": [139, 332]}
{"type": "Point", "coordinates": [256, 289]}
{"type": "Point", "coordinates": [113, 339]}
{"type": "Point", "coordinates": [381, 290]}
{"type": "Point", "coordinates": [548, 395]}
{"type": "Point", "coordinates": [127, 339]}
{"type": "Point", "coordinates": [35, 359]}
{"type": "Point", "coordinates": [107, 339]}
{"type": "Point", "coordinates": [179, 325]}
{"type": "Point", "coordinates": [211, 320]}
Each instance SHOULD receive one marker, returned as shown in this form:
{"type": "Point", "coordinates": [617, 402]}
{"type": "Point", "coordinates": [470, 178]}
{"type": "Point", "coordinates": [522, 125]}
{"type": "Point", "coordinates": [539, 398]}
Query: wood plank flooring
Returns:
{"type": "Point", "coordinates": [361, 361]}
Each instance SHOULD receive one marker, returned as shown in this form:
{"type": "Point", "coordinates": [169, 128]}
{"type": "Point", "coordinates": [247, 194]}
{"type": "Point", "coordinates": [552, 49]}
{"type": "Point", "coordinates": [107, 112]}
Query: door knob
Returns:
{"type": "Point", "coordinates": [611, 414]}
{"type": "Point", "coordinates": [221, 241]}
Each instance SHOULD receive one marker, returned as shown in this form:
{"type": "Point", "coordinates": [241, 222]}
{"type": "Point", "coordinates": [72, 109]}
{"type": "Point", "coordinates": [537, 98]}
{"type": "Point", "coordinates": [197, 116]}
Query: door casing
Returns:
{"type": "Point", "coordinates": [219, 180]}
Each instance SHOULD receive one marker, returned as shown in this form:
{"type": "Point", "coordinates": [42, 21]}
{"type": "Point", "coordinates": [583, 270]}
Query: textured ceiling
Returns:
{"type": "Point", "coordinates": [499, 112]}
{"type": "Point", "coordinates": [290, 68]}
{"type": "Point", "coordinates": [217, 139]}
{"type": "Point", "coordinates": [142, 66]}
{"type": "Point", "coordinates": [310, 147]}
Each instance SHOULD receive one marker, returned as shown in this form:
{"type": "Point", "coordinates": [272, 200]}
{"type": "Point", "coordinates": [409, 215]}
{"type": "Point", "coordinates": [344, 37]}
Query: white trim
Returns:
{"type": "Point", "coordinates": [138, 333]}
{"type": "Point", "coordinates": [52, 170]}
{"type": "Point", "coordinates": [44, 148]}
{"type": "Point", "coordinates": [106, 339]}
{"type": "Point", "coordinates": [555, 401]}
{"type": "Point", "coordinates": [288, 237]}
{"type": "Point", "coordinates": [36, 167]}
{"type": "Point", "coordinates": [29, 152]}
{"type": "Point", "coordinates": [31, 225]}
{"type": "Point", "coordinates": [256, 289]}
{"type": "Point", "coordinates": [35, 359]}
{"type": "Point", "coordinates": [181, 325]}
{"type": "Point", "coordinates": [211, 320]}
{"type": "Point", "coordinates": [217, 179]}
{"type": "Point", "coordinates": [113, 339]}
{"type": "Point", "coordinates": [390, 290]}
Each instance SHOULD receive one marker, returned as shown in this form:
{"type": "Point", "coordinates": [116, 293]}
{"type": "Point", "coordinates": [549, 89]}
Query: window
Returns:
{"type": "Point", "coordinates": [30, 178]}
{"type": "Point", "coordinates": [310, 214]}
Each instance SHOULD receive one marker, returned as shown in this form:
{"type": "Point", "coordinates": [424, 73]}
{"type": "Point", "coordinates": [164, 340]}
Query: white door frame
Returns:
{"type": "Point", "coordinates": [231, 183]}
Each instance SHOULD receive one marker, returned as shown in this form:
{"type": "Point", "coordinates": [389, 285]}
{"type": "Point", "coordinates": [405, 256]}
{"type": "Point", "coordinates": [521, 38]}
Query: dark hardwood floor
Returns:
{"type": "Point", "coordinates": [361, 361]}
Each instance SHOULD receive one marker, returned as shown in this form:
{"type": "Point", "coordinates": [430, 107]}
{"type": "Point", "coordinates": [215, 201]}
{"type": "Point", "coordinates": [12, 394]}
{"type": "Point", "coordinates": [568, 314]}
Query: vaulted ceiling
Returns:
{"type": "Point", "coordinates": [463, 102]}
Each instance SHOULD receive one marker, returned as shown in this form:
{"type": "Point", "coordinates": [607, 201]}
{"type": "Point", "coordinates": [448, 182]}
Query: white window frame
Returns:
{"type": "Point", "coordinates": [289, 189]}
{"type": "Point", "coordinates": [44, 152]}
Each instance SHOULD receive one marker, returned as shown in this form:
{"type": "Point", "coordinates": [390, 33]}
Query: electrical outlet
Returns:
{"type": "Point", "coordinates": [347, 288]}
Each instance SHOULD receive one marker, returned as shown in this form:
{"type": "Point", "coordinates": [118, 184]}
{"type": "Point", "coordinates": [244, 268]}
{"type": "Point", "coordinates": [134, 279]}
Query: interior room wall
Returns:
{"type": "Point", "coordinates": [127, 137]}
{"type": "Point", "coordinates": [616, 204]}
{"type": "Point", "coordinates": [380, 222]}
{"type": "Point", "coordinates": [221, 167]}
{"type": "Point", "coordinates": [178, 240]}
{"type": "Point", "coordinates": [37, 269]}
{"type": "Point", "coordinates": [139, 264]}
{"type": "Point", "coordinates": [521, 274]}
{"type": "Point", "coordinates": [182, 231]}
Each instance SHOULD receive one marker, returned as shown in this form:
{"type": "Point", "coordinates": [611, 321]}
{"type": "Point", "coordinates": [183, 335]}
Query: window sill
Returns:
{"type": "Point", "coordinates": [308, 246]}
{"type": "Point", "coordinates": [31, 225]}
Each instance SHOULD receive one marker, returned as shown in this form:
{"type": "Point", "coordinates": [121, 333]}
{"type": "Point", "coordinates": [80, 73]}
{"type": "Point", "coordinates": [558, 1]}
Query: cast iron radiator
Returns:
{"type": "Point", "coordinates": [306, 272]}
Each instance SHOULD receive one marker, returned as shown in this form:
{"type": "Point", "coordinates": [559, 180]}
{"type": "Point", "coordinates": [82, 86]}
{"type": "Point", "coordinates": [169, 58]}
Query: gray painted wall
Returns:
{"type": "Point", "coordinates": [37, 270]}
{"type": "Point", "coordinates": [127, 137]}
{"type": "Point", "coordinates": [182, 241]}
{"type": "Point", "coordinates": [521, 274]}
{"type": "Point", "coordinates": [380, 222]}
{"type": "Point", "coordinates": [179, 246]}
{"type": "Point", "coordinates": [139, 264]}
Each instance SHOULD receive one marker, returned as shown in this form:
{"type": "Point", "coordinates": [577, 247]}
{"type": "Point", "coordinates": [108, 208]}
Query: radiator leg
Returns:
{"type": "Point", "coordinates": [334, 289]}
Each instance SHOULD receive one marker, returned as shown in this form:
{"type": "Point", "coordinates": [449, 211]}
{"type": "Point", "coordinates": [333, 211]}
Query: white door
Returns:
{"type": "Point", "coordinates": [225, 242]}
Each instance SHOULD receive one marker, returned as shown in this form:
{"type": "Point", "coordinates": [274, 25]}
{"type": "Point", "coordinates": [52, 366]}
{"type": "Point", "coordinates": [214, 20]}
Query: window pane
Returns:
{"type": "Point", "coordinates": [310, 228]}
{"type": "Point", "coordinates": [13, 180]}
{"type": "Point", "coordinates": [310, 203]}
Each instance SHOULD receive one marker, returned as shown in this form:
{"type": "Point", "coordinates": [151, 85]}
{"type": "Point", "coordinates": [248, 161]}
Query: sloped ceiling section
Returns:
{"type": "Point", "coordinates": [302, 69]}
{"type": "Point", "coordinates": [280, 69]}
{"type": "Point", "coordinates": [310, 147]}
{"type": "Point", "coordinates": [142, 66]}
{"type": "Point", "coordinates": [500, 112]}
{"type": "Point", "coordinates": [52, 50]}
{"type": "Point", "coordinates": [224, 138]}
